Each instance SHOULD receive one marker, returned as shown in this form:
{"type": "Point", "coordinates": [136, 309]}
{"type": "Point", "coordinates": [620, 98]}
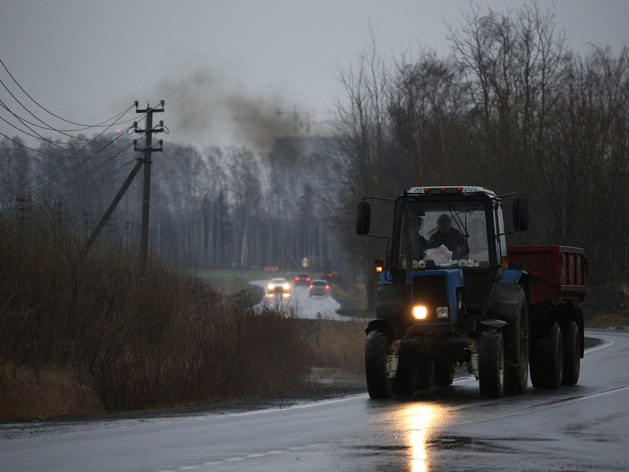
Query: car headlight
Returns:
{"type": "Point", "coordinates": [271, 286]}
{"type": "Point", "coordinates": [420, 312]}
{"type": "Point", "coordinates": [286, 286]}
{"type": "Point", "coordinates": [443, 312]}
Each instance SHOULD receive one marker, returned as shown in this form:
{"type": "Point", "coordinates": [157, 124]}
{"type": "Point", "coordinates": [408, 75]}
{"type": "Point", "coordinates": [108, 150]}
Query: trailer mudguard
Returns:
{"type": "Point", "coordinates": [508, 304]}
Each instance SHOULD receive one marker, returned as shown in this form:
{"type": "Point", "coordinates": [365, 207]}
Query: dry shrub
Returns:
{"type": "Point", "coordinates": [337, 344]}
{"type": "Point", "coordinates": [132, 342]}
{"type": "Point", "coordinates": [50, 392]}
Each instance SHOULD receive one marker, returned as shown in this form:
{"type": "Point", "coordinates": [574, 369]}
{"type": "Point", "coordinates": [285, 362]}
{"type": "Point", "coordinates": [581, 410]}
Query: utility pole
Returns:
{"type": "Point", "coordinates": [145, 161]}
{"type": "Point", "coordinates": [146, 193]}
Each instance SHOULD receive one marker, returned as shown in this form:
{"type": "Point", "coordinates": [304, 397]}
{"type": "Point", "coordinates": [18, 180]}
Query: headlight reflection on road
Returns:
{"type": "Point", "coordinates": [419, 419]}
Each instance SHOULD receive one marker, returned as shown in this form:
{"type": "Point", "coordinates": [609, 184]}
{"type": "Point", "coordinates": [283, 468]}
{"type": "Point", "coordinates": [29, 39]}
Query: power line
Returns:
{"type": "Point", "coordinates": [43, 108]}
{"type": "Point", "coordinates": [26, 122]}
{"type": "Point", "coordinates": [100, 178]}
{"type": "Point", "coordinates": [76, 166]}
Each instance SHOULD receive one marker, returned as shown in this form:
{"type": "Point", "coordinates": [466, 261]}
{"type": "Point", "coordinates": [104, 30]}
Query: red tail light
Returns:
{"type": "Point", "coordinates": [311, 286]}
{"type": "Point", "coordinates": [308, 279]}
{"type": "Point", "coordinates": [327, 287]}
{"type": "Point", "coordinates": [297, 279]}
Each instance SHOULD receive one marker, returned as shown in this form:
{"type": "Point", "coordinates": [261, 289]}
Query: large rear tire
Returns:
{"type": "Point", "coordinates": [571, 353]}
{"type": "Point", "coordinates": [491, 363]}
{"type": "Point", "coordinates": [517, 377]}
{"type": "Point", "coordinates": [376, 350]}
{"type": "Point", "coordinates": [547, 360]}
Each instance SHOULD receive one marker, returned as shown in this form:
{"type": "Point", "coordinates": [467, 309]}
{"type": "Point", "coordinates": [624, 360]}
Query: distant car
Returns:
{"type": "Point", "coordinates": [279, 286]}
{"type": "Point", "coordinates": [302, 279]}
{"type": "Point", "coordinates": [318, 288]}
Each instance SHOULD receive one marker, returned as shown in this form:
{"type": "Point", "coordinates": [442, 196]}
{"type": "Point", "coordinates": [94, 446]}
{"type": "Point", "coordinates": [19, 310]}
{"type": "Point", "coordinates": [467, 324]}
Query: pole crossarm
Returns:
{"type": "Point", "coordinates": [150, 148]}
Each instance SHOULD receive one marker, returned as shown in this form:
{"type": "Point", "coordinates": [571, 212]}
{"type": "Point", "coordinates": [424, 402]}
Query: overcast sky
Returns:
{"type": "Point", "coordinates": [86, 60]}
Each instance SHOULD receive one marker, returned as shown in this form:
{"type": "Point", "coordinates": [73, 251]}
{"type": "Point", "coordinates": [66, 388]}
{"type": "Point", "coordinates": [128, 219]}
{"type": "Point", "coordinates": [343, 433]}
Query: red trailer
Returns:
{"type": "Point", "coordinates": [555, 272]}
{"type": "Point", "coordinates": [555, 280]}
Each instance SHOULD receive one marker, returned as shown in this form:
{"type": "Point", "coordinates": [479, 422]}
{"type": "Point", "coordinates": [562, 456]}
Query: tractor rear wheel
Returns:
{"type": "Point", "coordinates": [518, 375]}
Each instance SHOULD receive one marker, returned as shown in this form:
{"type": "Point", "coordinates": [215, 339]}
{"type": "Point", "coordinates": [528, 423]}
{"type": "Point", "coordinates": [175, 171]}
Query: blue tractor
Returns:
{"type": "Point", "coordinates": [446, 295]}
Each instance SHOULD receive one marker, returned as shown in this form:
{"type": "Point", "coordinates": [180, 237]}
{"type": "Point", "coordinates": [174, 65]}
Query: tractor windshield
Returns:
{"type": "Point", "coordinates": [445, 234]}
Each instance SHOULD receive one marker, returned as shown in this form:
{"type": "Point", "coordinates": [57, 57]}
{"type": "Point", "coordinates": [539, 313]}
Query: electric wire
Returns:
{"type": "Point", "coordinates": [57, 145]}
{"type": "Point", "coordinates": [67, 171]}
{"type": "Point", "coordinates": [46, 110]}
{"type": "Point", "coordinates": [71, 169]}
{"type": "Point", "coordinates": [99, 179]}
{"type": "Point", "coordinates": [26, 122]}
{"type": "Point", "coordinates": [67, 184]}
{"type": "Point", "coordinates": [64, 185]}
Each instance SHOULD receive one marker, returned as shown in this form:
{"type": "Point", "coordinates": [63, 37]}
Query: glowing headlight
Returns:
{"type": "Point", "coordinates": [271, 286]}
{"type": "Point", "coordinates": [286, 286]}
{"type": "Point", "coordinates": [443, 312]}
{"type": "Point", "coordinates": [419, 312]}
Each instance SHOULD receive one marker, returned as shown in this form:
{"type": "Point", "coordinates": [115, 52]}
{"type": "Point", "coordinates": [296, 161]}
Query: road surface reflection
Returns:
{"type": "Point", "coordinates": [419, 419]}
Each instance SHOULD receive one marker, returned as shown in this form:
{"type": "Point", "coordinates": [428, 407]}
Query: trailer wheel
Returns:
{"type": "Point", "coordinates": [547, 362]}
{"type": "Point", "coordinates": [491, 363]}
{"type": "Point", "coordinates": [571, 353]}
{"type": "Point", "coordinates": [444, 373]}
{"type": "Point", "coordinates": [518, 376]}
{"type": "Point", "coordinates": [376, 347]}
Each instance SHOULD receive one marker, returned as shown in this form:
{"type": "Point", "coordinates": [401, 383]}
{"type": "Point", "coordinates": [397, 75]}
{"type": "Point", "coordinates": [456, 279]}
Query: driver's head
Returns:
{"type": "Point", "coordinates": [444, 223]}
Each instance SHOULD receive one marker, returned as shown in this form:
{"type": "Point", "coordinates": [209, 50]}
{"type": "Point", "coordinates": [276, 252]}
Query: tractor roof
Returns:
{"type": "Point", "coordinates": [450, 190]}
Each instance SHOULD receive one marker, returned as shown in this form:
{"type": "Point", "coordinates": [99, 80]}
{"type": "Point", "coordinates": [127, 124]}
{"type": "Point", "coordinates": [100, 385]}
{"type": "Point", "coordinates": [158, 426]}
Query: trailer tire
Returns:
{"type": "Point", "coordinates": [517, 377]}
{"type": "Point", "coordinates": [444, 373]}
{"type": "Point", "coordinates": [571, 353]}
{"type": "Point", "coordinates": [547, 362]}
{"type": "Point", "coordinates": [491, 363]}
{"type": "Point", "coordinates": [376, 350]}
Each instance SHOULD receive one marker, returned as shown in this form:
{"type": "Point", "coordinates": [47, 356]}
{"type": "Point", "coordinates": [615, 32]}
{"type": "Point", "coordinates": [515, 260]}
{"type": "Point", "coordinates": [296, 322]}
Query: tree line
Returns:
{"type": "Point", "coordinates": [512, 109]}
{"type": "Point", "coordinates": [220, 208]}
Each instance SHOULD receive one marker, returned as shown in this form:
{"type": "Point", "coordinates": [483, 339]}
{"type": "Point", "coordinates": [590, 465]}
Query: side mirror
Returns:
{"type": "Point", "coordinates": [363, 218]}
{"type": "Point", "coordinates": [520, 214]}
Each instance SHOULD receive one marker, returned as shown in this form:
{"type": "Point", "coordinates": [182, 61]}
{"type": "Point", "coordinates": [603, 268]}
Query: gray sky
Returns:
{"type": "Point", "coordinates": [86, 60]}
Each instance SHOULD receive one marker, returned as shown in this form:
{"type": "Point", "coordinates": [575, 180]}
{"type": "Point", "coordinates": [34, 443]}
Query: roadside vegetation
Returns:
{"type": "Point", "coordinates": [88, 334]}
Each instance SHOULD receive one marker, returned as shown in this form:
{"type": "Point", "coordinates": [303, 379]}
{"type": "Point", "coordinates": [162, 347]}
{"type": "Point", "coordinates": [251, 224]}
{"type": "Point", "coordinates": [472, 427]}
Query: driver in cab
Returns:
{"type": "Point", "coordinates": [450, 237]}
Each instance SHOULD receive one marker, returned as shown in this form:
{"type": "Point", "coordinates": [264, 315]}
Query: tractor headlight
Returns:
{"type": "Point", "coordinates": [443, 312]}
{"type": "Point", "coordinates": [420, 312]}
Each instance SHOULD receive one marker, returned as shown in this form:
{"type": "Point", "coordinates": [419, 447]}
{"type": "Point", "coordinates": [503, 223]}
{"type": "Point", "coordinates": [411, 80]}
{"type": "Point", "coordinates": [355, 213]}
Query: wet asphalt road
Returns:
{"type": "Point", "coordinates": [580, 428]}
{"type": "Point", "coordinates": [301, 304]}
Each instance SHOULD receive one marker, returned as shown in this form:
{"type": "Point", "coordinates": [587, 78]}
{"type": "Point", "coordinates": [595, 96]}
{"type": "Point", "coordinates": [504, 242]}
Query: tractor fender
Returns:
{"type": "Point", "coordinates": [498, 324]}
{"type": "Point", "coordinates": [508, 304]}
{"type": "Point", "coordinates": [382, 325]}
